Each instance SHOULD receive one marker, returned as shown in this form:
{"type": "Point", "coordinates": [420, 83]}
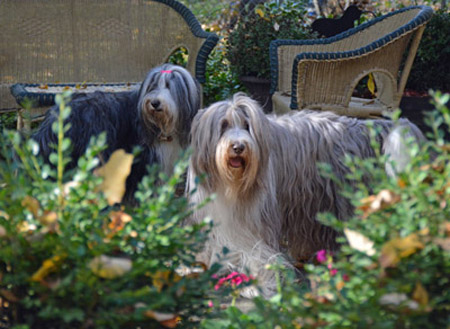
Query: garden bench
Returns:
{"type": "Point", "coordinates": [86, 45]}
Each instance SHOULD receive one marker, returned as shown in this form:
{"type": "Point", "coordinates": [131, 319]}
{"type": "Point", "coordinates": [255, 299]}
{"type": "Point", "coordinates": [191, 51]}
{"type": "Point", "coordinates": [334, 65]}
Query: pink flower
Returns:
{"type": "Point", "coordinates": [321, 256]}
{"type": "Point", "coordinates": [345, 277]}
{"type": "Point", "coordinates": [234, 278]}
{"type": "Point", "coordinates": [237, 280]}
{"type": "Point", "coordinates": [210, 303]}
{"type": "Point", "coordinates": [333, 271]}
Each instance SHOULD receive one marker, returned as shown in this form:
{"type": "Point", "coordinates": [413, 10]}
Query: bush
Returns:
{"type": "Point", "coordinates": [431, 68]}
{"type": "Point", "coordinates": [393, 268]}
{"type": "Point", "coordinates": [248, 42]}
{"type": "Point", "coordinates": [72, 258]}
{"type": "Point", "coordinates": [221, 83]}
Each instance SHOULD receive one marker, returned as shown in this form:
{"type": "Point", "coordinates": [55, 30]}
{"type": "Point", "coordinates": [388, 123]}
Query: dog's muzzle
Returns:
{"type": "Point", "coordinates": [236, 151]}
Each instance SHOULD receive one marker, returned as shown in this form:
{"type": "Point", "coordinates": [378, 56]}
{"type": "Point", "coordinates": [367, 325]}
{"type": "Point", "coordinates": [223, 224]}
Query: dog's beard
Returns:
{"type": "Point", "coordinates": [159, 109]}
{"type": "Point", "coordinates": [238, 172]}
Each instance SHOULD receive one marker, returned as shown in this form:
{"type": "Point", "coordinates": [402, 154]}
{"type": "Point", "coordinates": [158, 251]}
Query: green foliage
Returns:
{"type": "Point", "coordinates": [55, 225]}
{"type": "Point", "coordinates": [248, 42]}
{"type": "Point", "coordinates": [8, 120]}
{"type": "Point", "coordinates": [393, 268]}
{"type": "Point", "coordinates": [221, 82]}
{"type": "Point", "coordinates": [431, 68]}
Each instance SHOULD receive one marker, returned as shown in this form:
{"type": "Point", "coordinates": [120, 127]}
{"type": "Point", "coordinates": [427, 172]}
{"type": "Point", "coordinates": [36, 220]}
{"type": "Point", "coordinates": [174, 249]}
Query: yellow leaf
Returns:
{"type": "Point", "coordinates": [259, 12]}
{"type": "Point", "coordinates": [164, 278]}
{"type": "Point", "coordinates": [371, 84]}
{"type": "Point", "coordinates": [48, 218]}
{"type": "Point", "coordinates": [4, 215]}
{"type": "Point", "coordinates": [108, 267]}
{"type": "Point", "coordinates": [115, 173]}
{"type": "Point", "coordinates": [340, 285]}
{"type": "Point", "coordinates": [31, 204]}
{"type": "Point", "coordinates": [359, 242]}
{"type": "Point", "coordinates": [420, 295]}
{"type": "Point", "coordinates": [48, 266]}
{"type": "Point", "coordinates": [397, 248]}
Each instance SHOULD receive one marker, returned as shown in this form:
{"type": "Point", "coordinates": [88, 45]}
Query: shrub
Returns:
{"type": "Point", "coordinates": [221, 83]}
{"type": "Point", "coordinates": [72, 258]}
{"type": "Point", "coordinates": [248, 41]}
{"type": "Point", "coordinates": [431, 68]}
{"type": "Point", "coordinates": [393, 268]}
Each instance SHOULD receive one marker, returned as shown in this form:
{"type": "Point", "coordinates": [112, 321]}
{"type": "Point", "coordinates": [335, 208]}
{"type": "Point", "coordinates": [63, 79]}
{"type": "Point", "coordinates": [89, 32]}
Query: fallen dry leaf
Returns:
{"type": "Point", "coordinates": [420, 295]}
{"type": "Point", "coordinates": [118, 221]}
{"type": "Point", "coordinates": [359, 242]}
{"type": "Point", "coordinates": [382, 200]}
{"type": "Point", "coordinates": [396, 299]}
{"type": "Point", "coordinates": [31, 204]}
{"type": "Point", "coordinates": [397, 248]}
{"type": "Point", "coordinates": [108, 267]}
{"type": "Point", "coordinates": [48, 266]}
{"type": "Point", "coordinates": [115, 173]}
{"type": "Point", "coordinates": [48, 218]}
{"type": "Point", "coordinates": [168, 320]}
{"type": "Point", "coordinates": [2, 231]}
{"type": "Point", "coordinates": [9, 296]}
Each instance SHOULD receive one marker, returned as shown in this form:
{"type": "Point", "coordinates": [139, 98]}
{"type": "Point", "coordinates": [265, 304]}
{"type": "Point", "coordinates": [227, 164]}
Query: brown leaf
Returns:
{"type": "Point", "coordinates": [168, 320]}
{"type": "Point", "coordinates": [115, 173]}
{"type": "Point", "coordinates": [3, 232]}
{"type": "Point", "coordinates": [31, 204]}
{"type": "Point", "coordinates": [9, 296]}
{"type": "Point", "coordinates": [397, 248]}
{"type": "Point", "coordinates": [48, 218]}
{"type": "Point", "coordinates": [118, 220]}
{"type": "Point", "coordinates": [382, 200]}
{"type": "Point", "coordinates": [420, 295]}
{"type": "Point", "coordinates": [444, 243]}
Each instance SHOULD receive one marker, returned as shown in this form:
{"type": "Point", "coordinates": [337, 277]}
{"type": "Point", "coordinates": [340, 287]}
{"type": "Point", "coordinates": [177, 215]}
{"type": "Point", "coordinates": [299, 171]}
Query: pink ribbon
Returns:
{"type": "Point", "coordinates": [166, 71]}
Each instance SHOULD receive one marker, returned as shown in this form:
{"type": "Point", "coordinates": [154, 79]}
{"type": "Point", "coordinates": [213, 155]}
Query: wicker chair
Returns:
{"type": "Point", "coordinates": [91, 42]}
{"type": "Point", "coordinates": [322, 74]}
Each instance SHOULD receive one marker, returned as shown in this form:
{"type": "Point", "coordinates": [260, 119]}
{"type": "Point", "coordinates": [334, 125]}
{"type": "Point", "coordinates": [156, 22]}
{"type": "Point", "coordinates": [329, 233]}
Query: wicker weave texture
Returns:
{"type": "Point", "coordinates": [91, 41]}
{"type": "Point", "coordinates": [322, 73]}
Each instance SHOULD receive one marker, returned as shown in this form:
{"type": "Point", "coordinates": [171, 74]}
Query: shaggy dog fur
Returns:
{"type": "Point", "coordinates": [157, 117]}
{"type": "Point", "coordinates": [263, 170]}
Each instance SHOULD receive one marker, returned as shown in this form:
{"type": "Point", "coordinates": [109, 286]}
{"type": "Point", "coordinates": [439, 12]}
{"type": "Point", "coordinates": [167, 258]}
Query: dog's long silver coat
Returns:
{"type": "Point", "coordinates": [263, 170]}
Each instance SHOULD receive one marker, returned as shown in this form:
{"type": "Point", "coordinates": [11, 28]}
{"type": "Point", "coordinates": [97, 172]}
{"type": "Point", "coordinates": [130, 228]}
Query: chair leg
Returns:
{"type": "Point", "coordinates": [23, 120]}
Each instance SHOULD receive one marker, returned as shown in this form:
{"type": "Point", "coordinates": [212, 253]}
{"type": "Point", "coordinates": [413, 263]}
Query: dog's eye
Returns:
{"type": "Point", "coordinates": [246, 126]}
{"type": "Point", "coordinates": [167, 84]}
{"type": "Point", "coordinates": [224, 126]}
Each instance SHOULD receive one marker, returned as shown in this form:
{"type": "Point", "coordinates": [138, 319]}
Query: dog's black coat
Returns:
{"type": "Point", "coordinates": [120, 116]}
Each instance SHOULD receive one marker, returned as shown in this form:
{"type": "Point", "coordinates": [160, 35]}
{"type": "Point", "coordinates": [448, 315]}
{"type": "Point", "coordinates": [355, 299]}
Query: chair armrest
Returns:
{"type": "Point", "coordinates": [363, 38]}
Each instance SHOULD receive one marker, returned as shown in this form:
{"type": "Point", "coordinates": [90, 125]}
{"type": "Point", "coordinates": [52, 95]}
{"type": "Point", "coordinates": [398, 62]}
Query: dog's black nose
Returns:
{"type": "Point", "coordinates": [155, 104]}
{"type": "Point", "coordinates": [238, 148]}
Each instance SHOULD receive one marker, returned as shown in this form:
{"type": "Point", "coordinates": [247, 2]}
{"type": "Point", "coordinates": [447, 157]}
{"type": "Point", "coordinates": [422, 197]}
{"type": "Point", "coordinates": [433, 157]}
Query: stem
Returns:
{"type": "Point", "coordinates": [60, 166]}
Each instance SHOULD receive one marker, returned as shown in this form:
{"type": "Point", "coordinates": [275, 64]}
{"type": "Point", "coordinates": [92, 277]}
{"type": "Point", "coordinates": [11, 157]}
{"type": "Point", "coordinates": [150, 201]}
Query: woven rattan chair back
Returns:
{"type": "Point", "coordinates": [94, 41]}
{"type": "Point", "coordinates": [322, 74]}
